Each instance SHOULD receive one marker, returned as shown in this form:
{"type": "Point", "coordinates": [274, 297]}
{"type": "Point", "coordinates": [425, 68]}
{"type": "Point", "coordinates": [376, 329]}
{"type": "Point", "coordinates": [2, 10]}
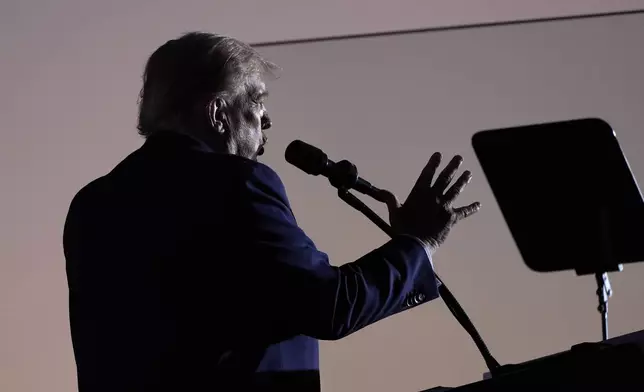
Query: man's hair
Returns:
{"type": "Point", "coordinates": [190, 70]}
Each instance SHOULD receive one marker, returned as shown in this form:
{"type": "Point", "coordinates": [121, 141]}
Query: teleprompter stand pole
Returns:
{"type": "Point", "coordinates": [601, 269]}
{"type": "Point", "coordinates": [604, 292]}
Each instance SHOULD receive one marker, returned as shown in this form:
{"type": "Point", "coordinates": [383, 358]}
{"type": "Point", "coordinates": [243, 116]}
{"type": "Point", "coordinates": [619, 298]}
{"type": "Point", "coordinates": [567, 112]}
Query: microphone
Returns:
{"type": "Point", "coordinates": [342, 175]}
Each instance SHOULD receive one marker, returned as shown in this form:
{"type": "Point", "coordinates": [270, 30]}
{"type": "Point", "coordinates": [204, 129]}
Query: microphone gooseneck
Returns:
{"type": "Point", "coordinates": [344, 176]}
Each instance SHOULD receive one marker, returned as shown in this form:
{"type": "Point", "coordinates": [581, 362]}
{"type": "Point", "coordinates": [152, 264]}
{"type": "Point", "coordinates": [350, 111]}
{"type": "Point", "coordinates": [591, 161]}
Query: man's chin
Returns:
{"type": "Point", "coordinates": [260, 151]}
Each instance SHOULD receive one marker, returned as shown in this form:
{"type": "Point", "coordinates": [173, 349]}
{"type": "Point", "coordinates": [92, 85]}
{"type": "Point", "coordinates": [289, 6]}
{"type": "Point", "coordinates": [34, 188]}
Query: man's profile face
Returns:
{"type": "Point", "coordinates": [249, 119]}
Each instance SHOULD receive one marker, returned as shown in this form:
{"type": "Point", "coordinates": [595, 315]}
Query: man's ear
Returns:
{"type": "Point", "coordinates": [217, 114]}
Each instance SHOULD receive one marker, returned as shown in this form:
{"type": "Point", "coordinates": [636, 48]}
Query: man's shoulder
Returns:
{"type": "Point", "coordinates": [265, 174]}
{"type": "Point", "coordinates": [261, 180]}
{"type": "Point", "coordinates": [87, 195]}
{"type": "Point", "coordinates": [202, 173]}
{"type": "Point", "coordinates": [240, 173]}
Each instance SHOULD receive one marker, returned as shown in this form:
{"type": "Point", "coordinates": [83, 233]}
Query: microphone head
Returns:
{"type": "Point", "coordinates": [306, 157]}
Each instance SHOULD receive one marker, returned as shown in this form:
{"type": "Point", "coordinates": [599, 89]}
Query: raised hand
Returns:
{"type": "Point", "coordinates": [428, 212]}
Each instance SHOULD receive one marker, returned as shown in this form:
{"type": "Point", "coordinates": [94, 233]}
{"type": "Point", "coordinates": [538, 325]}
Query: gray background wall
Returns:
{"type": "Point", "coordinates": [387, 103]}
{"type": "Point", "coordinates": [71, 73]}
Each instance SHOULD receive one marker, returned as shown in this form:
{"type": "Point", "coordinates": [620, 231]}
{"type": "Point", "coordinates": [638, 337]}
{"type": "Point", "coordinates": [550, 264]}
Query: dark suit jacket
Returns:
{"type": "Point", "coordinates": [188, 272]}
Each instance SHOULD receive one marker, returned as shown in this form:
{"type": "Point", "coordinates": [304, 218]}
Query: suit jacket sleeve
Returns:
{"type": "Point", "coordinates": [296, 287]}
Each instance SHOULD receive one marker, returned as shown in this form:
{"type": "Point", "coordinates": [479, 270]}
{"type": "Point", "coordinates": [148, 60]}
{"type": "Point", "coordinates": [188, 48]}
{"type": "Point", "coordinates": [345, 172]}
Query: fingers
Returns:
{"type": "Point", "coordinates": [464, 212]}
{"type": "Point", "coordinates": [456, 189]}
{"type": "Point", "coordinates": [447, 174]}
{"type": "Point", "coordinates": [425, 179]}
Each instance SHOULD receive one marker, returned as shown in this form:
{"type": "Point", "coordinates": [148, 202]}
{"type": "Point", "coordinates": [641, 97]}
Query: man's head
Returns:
{"type": "Point", "coordinates": [211, 87]}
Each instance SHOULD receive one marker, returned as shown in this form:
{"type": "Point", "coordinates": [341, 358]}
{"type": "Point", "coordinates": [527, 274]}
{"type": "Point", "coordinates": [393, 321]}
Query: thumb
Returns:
{"type": "Point", "coordinates": [390, 199]}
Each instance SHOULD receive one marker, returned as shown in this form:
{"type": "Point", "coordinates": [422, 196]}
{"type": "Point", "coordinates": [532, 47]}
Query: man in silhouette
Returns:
{"type": "Point", "coordinates": [186, 268]}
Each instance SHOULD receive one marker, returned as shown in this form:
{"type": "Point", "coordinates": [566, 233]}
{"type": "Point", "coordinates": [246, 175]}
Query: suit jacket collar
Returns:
{"type": "Point", "coordinates": [171, 140]}
{"type": "Point", "coordinates": [176, 143]}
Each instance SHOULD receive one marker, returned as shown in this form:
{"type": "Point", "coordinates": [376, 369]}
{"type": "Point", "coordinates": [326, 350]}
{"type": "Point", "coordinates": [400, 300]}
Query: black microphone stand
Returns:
{"type": "Point", "coordinates": [449, 299]}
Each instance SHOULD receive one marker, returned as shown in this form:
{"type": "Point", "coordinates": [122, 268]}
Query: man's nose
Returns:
{"type": "Point", "coordinates": [266, 122]}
